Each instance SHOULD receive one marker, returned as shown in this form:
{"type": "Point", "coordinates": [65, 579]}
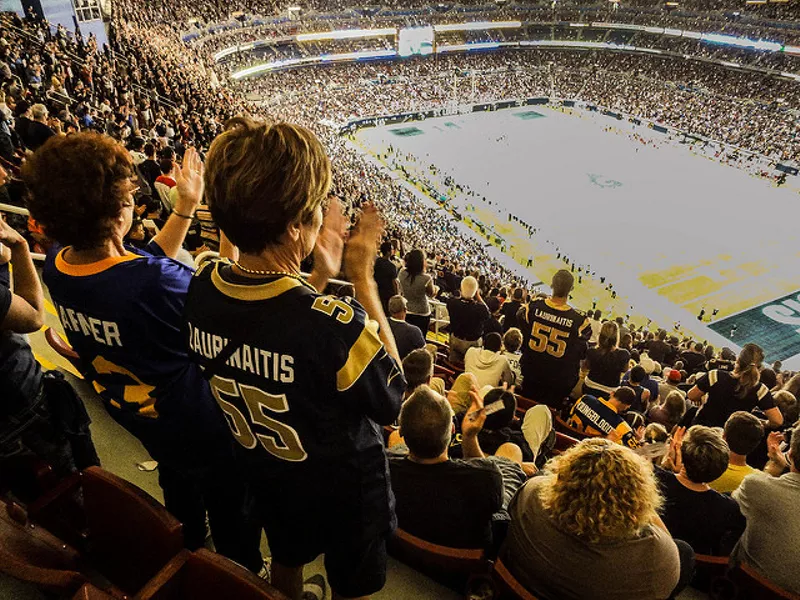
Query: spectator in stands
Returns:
{"type": "Point", "coordinates": [418, 370]}
{"type": "Point", "coordinates": [556, 337]}
{"type": "Point", "coordinates": [489, 364]}
{"type": "Point", "coordinates": [149, 168]}
{"type": "Point", "coordinates": [670, 412]}
{"type": "Point", "coordinates": [600, 417]}
{"type": "Point", "coordinates": [693, 512]}
{"type": "Point", "coordinates": [121, 310]}
{"type": "Point", "coordinates": [694, 359]}
{"type": "Point", "coordinates": [468, 314]}
{"type": "Point", "coordinates": [28, 426]}
{"type": "Point", "coordinates": [38, 130]}
{"type": "Point", "coordinates": [658, 348]}
{"type": "Point", "coordinates": [769, 542]}
{"type": "Point", "coordinates": [336, 379]}
{"type": "Point", "coordinates": [493, 324]}
{"type": "Point", "coordinates": [725, 362]}
{"type": "Point", "coordinates": [560, 546]}
{"type": "Point", "coordinates": [416, 285]}
{"type": "Point", "coordinates": [605, 363]}
{"type": "Point", "coordinates": [386, 276]}
{"type": "Point", "coordinates": [467, 492]}
{"type": "Point", "coordinates": [743, 433]}
{"type": "Point", "coordinates": [635, 381]}
{"type": "Point", "coordinates": [510, 309]}
{"type": "Point", "coordinates": [408, 337]}
{"type": "Point", "coordinates": [672, 379]}
{"type": "Point", "coordinates": [728, 392]}
{"type": "Point", "coordinates": [512, 342]}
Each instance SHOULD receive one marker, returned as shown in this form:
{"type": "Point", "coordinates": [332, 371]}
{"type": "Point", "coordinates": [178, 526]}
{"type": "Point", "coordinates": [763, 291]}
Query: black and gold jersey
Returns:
{"type": "Point", "coordinates": [309, 382]}
{"type": "Point", "coordinates": [555, 339]}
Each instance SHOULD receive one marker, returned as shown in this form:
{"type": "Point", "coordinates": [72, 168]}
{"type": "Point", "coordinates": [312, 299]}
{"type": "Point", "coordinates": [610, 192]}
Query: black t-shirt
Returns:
{"type": "Point", "coordinates": [658, 350]}
{"type": "Point", "coordinates": [467, 318]}
{"type": "Point", "coordinates": [606, 368]}
{"type": "Point", "coordinates": [723, 400]}
{"type": "Point", "coordinates": [449, 503]}
{"type": "Point", "coordinates": [385, 274]}
{"type": "Point", "coordinates": [509, 312]}
{"type": "Point", "coordinates": [20, 374]}
{"type": "Point", "coordinates": [709, 522]}
{"type": "Point", "coordinates": [693, 361]}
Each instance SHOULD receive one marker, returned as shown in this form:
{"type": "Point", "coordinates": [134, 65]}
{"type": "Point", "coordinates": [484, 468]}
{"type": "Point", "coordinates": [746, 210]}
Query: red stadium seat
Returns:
{"type": "Point", "coordinates": [89, 592]}
{"type": "Point", "coordinates": [564, 442]}
{"type": "Point", "coordinates": [562, 426]}
{"type": "Point", "coordinates": [63, 348]}
{"type": "Point", "coordinates": [754, 586]}
{"type": "Point", "coordinates": [508, 587]}
{"type": "Point", "coordinates": [204, 575]}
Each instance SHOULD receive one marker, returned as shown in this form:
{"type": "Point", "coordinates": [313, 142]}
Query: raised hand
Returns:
{"type": "Point", "coordinates": [362, 245]}
{"type": "Point", "coordinates": [10, 236]}
{"type": "Point", "coordinates": [330, 242]}
{"type": "Point", "coordinates": [475, 416]}
{"type": "Point", "coordinates": [190, 182]}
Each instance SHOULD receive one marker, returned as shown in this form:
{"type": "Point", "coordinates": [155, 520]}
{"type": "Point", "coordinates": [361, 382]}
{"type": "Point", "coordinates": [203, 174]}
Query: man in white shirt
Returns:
{"type": "Point", "coordinates": [488, 364]}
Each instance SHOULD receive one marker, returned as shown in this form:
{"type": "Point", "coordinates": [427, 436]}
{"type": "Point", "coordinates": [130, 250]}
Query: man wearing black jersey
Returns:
{"type": "Point", "coordinates": [556, 337]}
{"type": "Point", "coordinates": [305, 380]}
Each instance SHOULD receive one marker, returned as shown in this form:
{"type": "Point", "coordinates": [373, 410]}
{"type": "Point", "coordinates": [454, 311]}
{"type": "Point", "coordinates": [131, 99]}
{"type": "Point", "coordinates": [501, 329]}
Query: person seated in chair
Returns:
{"type": "Point", "coordinates": [407, 337]}
{"type": "Point", "coordinates": [600, 417]}
{"type": "Point", "coordinates": [489, 364]}
{"type": "Point", "coordinates": [449, 501]}
{"type": "Point", "coordinates": [743, 433]}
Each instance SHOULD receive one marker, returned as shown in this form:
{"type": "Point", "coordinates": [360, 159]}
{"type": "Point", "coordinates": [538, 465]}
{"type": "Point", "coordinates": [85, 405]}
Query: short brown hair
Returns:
{"type": "Point", "coordinates": [262, 177]}
{"type": "Point", "coordinates": [705, 454]}
{"type": "Point", "coordinates": [743, 432]}
{"type": "Point", "coordinates": [562, 283]}
{"type": "Point", "coordinates": [77, 187]}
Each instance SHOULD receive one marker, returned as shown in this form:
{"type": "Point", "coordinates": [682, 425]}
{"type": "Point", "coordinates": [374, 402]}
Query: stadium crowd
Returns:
{"type": "Point", "coordinates": [690, 449]}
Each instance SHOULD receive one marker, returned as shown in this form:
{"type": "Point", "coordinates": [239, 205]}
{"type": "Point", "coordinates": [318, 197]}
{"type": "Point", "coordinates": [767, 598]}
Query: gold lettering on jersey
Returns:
{"type": "Point", "coordinates": [249, 359]}
{"type": "Point", "coordinates": [551, 318]}
{"type": "Point", "coordinates": [102, 332]}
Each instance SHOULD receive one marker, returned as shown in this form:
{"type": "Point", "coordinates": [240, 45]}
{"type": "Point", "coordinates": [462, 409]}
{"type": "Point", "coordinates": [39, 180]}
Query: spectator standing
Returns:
{"type": "Point", "coordinates": [386, 275]}
{"type": "Point", "coordinates": [596, 324]}
{"type": "Point", "coordinates": [556, 336]}
{"type": "Point", "coordinates": [38, 129]}
{"type": "Point", "coordinates": [606, 363]}
{"type": "Point", "coordinates": [728, 392]}
{"type": "Point", "coordinates": [468, 314]}
{"type": "Point", "coordinates": [512, 342]}
{"type": "Point", "coordinates": [417, 286]}
{"type": "Point", "coordinates": [407, 337]}
{"type": "Point", "coordinates": [510, 309]}
{"type": "Point", "coordinates": [306, 421]}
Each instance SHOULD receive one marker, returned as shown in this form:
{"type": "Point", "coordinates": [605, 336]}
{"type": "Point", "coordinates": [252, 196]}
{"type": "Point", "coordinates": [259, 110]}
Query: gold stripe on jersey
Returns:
{"type": "Point", "coordinates": [712, 377]}
{"type": "Point", "coordinates": [365, 348]}
{"type": "Point", "coordinates": [251, 293]}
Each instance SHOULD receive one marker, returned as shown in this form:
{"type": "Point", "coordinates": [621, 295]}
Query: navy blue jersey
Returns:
{"type": "Point", "coordinates": [123, 316]}
{"type": "Point", "coordinates": [310, 382]}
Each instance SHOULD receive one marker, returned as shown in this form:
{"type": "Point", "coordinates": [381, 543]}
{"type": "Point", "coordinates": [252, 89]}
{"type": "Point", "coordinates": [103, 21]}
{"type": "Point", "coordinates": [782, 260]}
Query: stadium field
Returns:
{"type": "Point", "coordinates": [686, 233]}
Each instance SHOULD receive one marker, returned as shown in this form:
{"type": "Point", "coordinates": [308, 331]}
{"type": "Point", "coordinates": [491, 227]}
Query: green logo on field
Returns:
{"type": "Point", "coordinates": [407, 131]}
{"type": "Point", "coordinates": [603, 181]}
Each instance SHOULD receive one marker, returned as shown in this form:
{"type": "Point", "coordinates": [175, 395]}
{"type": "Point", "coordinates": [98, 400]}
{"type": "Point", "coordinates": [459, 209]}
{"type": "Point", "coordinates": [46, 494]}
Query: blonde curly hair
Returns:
{"type": "Point", "coordinates": [601, 491]}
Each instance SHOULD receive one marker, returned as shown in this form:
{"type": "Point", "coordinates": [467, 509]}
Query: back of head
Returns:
{"type": "Point", "coordinates": [78, 185]}
{"type": "Point", "coordinates": [597, 472]}
{"type": "Point", "coordinates": [503, 417]}
{"type": "Point", "coordinates": [512, 340]}
{"type": "Point", "coordinates": [698, 347]}
{"type": "Point", "coordinates": [426, 423]}
{"type": "Point", "coordinates": [675, 405]}
{"type": "Point", "coordinates": [469, 287]}
{"type": "Point", "coordinates": [768, 377]}
{"type": "Point", "coordinates": [597, 314]}
{"type": "Point", "coordinates": [743, 432]}
{"type": "Point", "coordinates": [624, 395]}
{"type": "Point", "coordinates": [609, 336]}
{"type": "Point", "coordinates": [634, 419]}
{"type": "Point", "coordinates": [655, 433]}
{"type": "Point", "coordinates": [794, 447]}
{"type": "Point", "coordinates": [662, 334]}
{"type": "Point", "coordinates": [386, 248]}
{"type": "Point", "coordinates": [748, 368]}
{"type": "Point", "coordinates": [788, 405]}
{"type": "Point", "coordinates": [418, 368]}
{"type": "Point", "coordinates": [261, 177]}
{"type": "Point", "coordinates": [493, 304]}
{"type": "Point", "coordinates": [562, 283]}
{"type": "Point", "coordinates": [166, 165]}
{"type": "Point", "coordinates": [638, 374]}
{"type": "Point", "coordinates": [705, 454]}
{"type": "Point", "coordinates": [492, 342]}
{"type": "Point", "coordinates": [518, 294]}
{"type": "Point", "coordinates": [39, 112]}
{"type": "Point", "coordinates": [415, 262]}
{"type": "Point", "coordinates": [397, 305]}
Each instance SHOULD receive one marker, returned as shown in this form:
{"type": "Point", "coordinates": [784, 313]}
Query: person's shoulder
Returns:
{"type": "Point", "coordinates": [474, 465]}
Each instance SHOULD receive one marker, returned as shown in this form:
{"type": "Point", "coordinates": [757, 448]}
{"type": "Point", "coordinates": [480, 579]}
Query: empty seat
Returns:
{"type": "Point", "coordinates": [204, 575]}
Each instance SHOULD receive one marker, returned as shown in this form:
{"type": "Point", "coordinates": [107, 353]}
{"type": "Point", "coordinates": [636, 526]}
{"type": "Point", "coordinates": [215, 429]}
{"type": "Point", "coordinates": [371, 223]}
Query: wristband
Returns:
{"type": "Point", "coordinates": [177, 214]}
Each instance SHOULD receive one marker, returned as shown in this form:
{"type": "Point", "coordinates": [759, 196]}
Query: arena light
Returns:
{"type": "Point", "coordinates": [223, 53]}
{"type": "Point", "coordinates": [362, 55]}
{"type": "Point", "coordinates": [578, 24]}
{"type": "Point", "coordinates": [467, 47]}
{"type": "Point", "coordinates": [307, 60]}
{"type": "Point", "coordinates": [792, 50]}
{"type": "Point", "coordinates": [673, 32]}
{"type": "Point", "coordinates": [477, 26]}
{"type": "Point", "coordinates": [345, 34]}
{"type": "Point", "coordinates": [694, 35]}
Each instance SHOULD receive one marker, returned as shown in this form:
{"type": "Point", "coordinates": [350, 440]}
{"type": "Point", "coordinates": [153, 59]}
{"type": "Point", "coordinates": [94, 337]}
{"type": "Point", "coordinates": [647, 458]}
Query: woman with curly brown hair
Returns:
{"type": "Point", "coordinates": [121, 309]}
{"type": "Point", "coordinates": [589, 529]}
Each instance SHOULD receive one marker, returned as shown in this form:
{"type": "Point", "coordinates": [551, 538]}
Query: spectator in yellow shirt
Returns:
{"type": "Point", "coordinates": [743, 432]}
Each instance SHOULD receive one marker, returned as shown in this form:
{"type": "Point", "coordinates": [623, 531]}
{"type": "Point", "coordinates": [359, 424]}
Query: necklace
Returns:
{"type": "Point", "coordinates": [267, 273]}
